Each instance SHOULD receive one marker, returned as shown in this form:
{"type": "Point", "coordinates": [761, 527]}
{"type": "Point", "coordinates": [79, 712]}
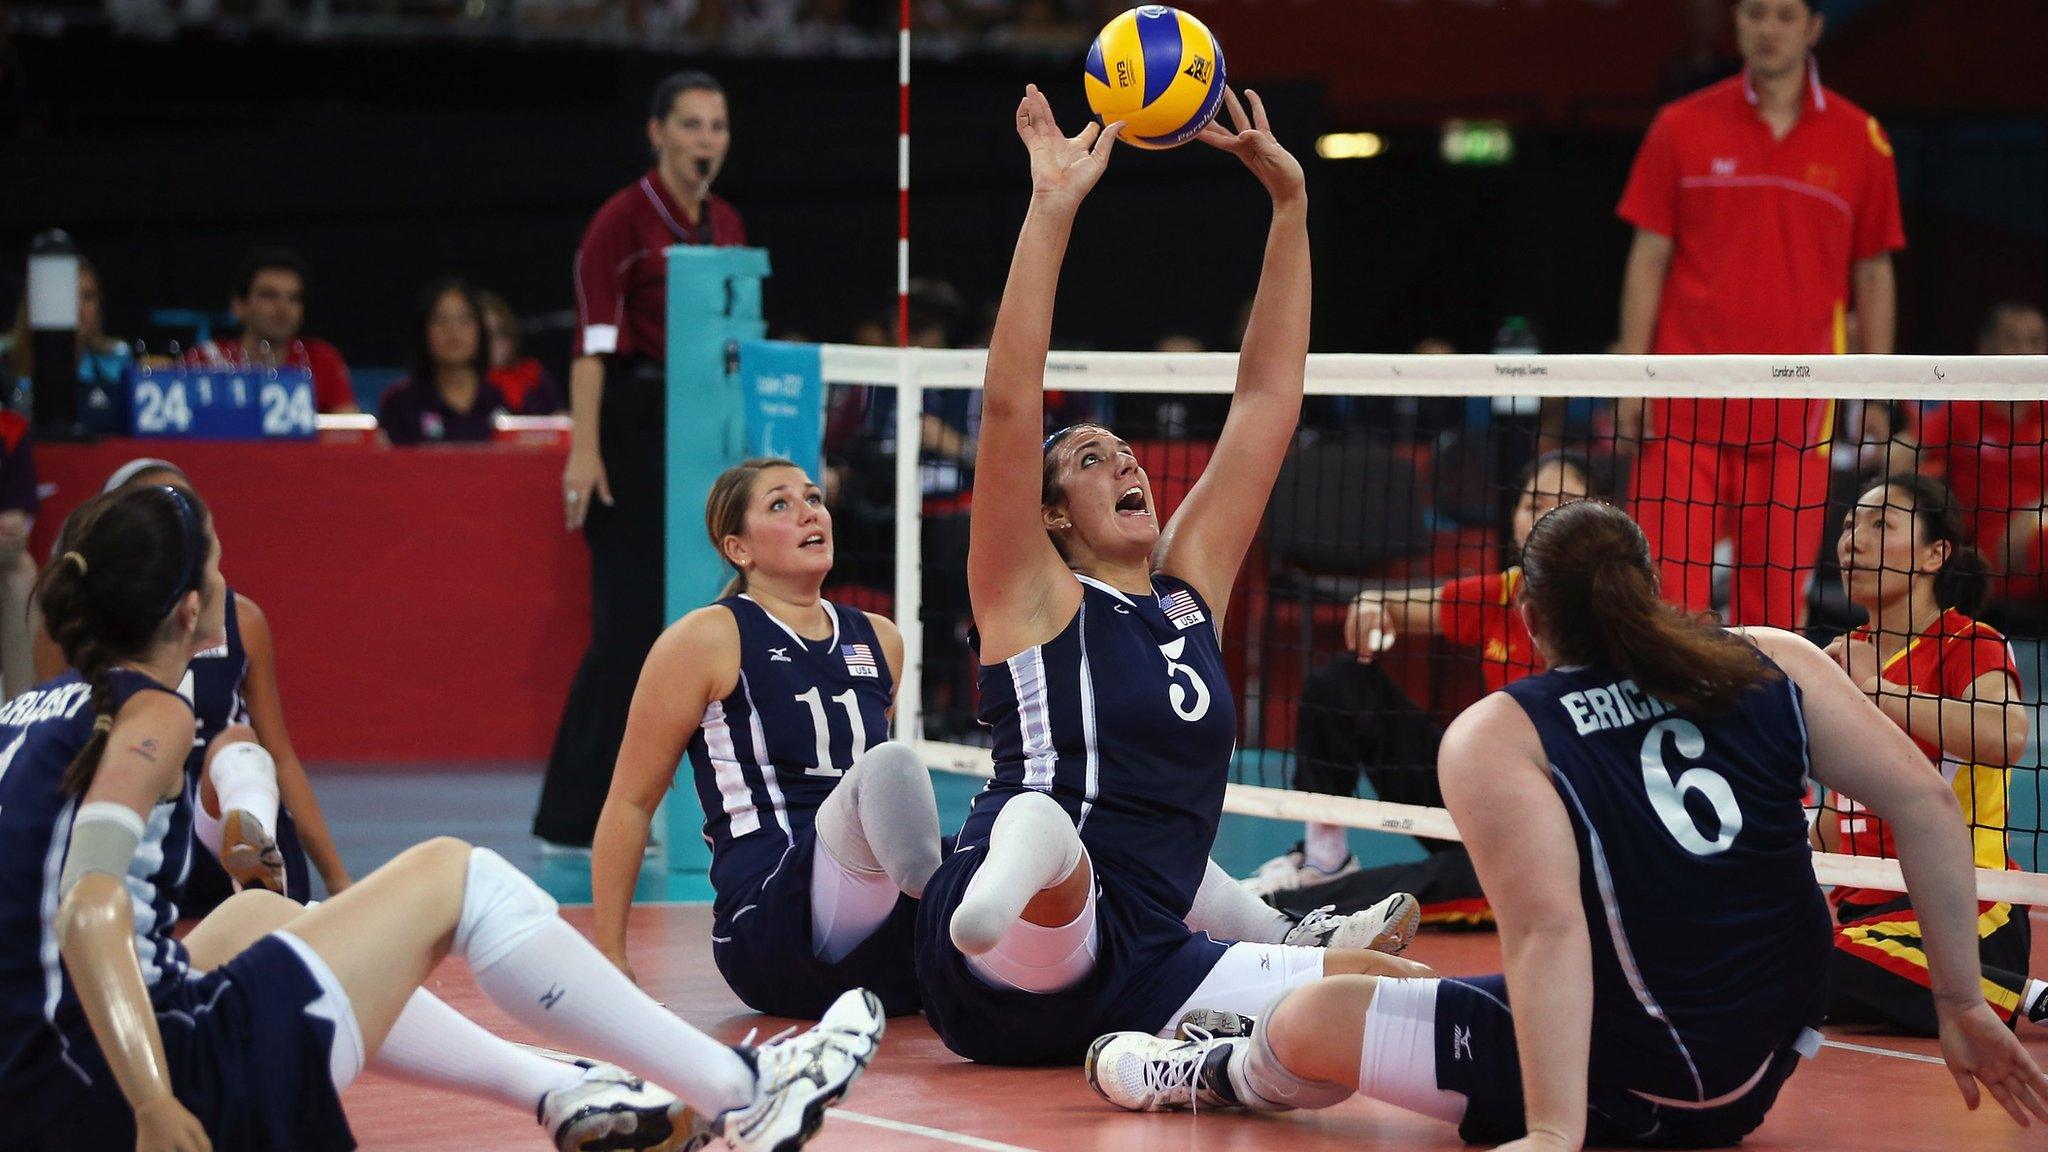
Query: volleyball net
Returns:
{"type": "Point", "coordinates": [1393, 529]}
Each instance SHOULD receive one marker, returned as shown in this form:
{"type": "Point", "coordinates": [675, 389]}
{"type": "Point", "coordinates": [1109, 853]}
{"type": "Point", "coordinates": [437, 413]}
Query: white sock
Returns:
{"type": "Point", "coordinates": [1226, 911]}
{"type": "Point", "coordinates": [433, 1044]}
{"type": "Point", "coordinates": [2031, 999]}
{"type": "Point", "coordinates": [549, 978]}
{"type": "Point", "coordinates": [245, 778]}
{"type": "Point", "coordinates": [1032, 847]}
{"type": "Point", "coordinates": [1325, 846]}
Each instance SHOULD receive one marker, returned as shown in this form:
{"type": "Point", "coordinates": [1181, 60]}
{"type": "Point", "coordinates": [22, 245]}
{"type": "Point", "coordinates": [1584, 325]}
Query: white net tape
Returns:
{"type": "Point", "coordinates": [1910, 378]}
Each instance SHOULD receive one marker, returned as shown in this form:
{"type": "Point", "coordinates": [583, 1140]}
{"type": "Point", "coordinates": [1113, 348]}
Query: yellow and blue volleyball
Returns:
{"type": "Point", "coordinates": [1160, 71]}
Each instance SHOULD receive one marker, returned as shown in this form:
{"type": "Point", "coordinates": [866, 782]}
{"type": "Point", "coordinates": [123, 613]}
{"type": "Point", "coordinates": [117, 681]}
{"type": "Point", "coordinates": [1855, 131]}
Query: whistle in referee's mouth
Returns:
{"type": "Point", "coordinates": [703, 168]}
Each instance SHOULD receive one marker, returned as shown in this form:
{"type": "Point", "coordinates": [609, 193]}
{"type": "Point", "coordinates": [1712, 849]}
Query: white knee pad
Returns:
{"type": "Point", "coordinates": [245, 777]}
{"type": "Point", "coordinates": [501, 909]}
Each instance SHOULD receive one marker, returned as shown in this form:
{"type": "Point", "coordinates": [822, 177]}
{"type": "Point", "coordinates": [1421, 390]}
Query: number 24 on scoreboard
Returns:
{"type": "Point", "coordinates": [223, 404]}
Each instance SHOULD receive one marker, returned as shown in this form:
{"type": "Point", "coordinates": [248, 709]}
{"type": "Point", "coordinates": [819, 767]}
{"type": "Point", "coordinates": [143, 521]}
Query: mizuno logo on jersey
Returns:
{"type": "Point", "coordinates": [778, 654]}
{"type": "Point", "coordinates": [1461, 1042]}
{"type": "Point", "coordinates": [1182, 608]}
{"type": "Point", "coordinates": [860, 660]}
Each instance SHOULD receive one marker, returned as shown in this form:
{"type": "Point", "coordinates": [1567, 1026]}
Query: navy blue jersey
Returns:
{"type": "Point", "coordinates": [213, 686]}
{"type": "Point", "coordinates": [768, 754]}
{"type": "Point", "coordinates": [1126, 719]}
{"type": "Point", "coordinates": [1710, 936]}
{"type": "Point", "coordinates": [41, 732]}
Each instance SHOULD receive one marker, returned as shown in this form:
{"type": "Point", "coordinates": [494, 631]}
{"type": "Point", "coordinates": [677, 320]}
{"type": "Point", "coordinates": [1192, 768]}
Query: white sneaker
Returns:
{"type": "Point", "coordinates": [248, 852]}
{"type": "Point", "coordinates": [1291, 870]}
{"type": "Point", "coordinates": [612, 1110]}
{"type": "Point", "coordinates": [798, 1078]}
{"type": "Point", "coordinates": [1388, 926]}
{"type": "Point", "coordinates": [1139, 1072]}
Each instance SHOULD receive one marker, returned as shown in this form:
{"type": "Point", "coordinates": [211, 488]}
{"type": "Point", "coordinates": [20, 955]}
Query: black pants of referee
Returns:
{"type": "Point", "coordinates": [628, 583]}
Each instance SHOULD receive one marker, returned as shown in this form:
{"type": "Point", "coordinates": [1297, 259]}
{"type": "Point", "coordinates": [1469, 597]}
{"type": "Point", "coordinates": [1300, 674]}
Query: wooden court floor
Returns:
{"type": "Point", "coordinates": [1864, 1090]}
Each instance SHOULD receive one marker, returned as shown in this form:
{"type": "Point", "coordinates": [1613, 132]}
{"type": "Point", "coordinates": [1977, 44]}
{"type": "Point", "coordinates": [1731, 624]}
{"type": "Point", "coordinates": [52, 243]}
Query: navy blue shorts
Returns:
{"type": "Point", "coordinates": [1147, 964]}
{"type": "Point", "coordinates": [1476, 1057]}
{"type": "Point", "coordinates": [248, 1054]}
{"type": "Point", "coordinates": [764, 949]}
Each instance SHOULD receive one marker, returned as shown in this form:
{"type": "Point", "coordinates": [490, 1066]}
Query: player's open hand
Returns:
{"type": "Point", "coordinates": [164, 1125]}
{"type": "Point", "coordinates": [1980, 1049]}
{"type": "Point", "coordinates": [1063, 168]}
{"type": "Point", "coordinates": [1253, 142]}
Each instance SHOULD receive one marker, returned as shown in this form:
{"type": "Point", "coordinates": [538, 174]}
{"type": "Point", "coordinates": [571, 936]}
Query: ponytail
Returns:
{"type": "Point", "coordinates": [1586, 570]}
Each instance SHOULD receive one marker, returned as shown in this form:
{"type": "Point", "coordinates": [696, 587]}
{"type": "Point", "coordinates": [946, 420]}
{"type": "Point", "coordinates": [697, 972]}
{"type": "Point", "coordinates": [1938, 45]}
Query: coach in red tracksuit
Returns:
{"type": "Point", "coordinates": [1765, 207]}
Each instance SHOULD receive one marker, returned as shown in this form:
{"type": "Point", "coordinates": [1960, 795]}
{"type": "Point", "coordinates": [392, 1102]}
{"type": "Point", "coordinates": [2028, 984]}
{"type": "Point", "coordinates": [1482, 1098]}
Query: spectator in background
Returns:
{"type": "Point", "coordinates": [614, 487]}
{"type": "Point", "coordinates": [1992, 455]}
{"type": "Point", "coordinates": [18, 504]}
{"type": "Point", "coordinates": [1762, 205]}
{"type": "Point", "coordinates": [528, 388]}
{"type": "Point", "coordinates": [269, 302]}
{"type": "Point", "coordinates": [105, 365]}
{"type": "Point", "coordinates": [446, 396]}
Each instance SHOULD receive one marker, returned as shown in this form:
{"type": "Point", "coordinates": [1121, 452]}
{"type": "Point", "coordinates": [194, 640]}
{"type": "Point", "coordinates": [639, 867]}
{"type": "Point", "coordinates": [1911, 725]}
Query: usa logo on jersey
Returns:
{"type": "Point", "coordinates": [860, 660]}
{"type": "Point", "coordinates": [1181, 608]}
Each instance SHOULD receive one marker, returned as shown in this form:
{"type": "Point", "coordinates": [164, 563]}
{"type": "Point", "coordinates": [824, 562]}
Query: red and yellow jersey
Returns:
{"type": "Point", "coordinates": [1480, 612]}
{"type": "Point", "coordinates": [1952, 654]}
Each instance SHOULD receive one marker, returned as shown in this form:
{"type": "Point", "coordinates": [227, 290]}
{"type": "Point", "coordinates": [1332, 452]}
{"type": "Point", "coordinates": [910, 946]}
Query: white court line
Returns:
{"type": "Point", "coordinates": [1845, 1046]}
{"type": "Point", "coordinates": [940, 1134]}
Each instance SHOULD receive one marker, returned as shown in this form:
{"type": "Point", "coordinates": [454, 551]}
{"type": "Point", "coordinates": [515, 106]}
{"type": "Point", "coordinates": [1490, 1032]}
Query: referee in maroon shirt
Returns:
{"type": "Point", "coordinates": [613, 487]}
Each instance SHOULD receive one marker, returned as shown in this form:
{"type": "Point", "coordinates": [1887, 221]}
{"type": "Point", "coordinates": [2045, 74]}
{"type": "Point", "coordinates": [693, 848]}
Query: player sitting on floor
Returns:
{"type": "Point", "coordinates": [823, 833]}
{"type": "Point", "coordinates": [243, 1034]}
{"type": "Point", "coordinates": [1636, 813]}
{"type": "Point", "coordinates": [1062, 908]}
{"type": "Point", "coordinates": [1951, 683]}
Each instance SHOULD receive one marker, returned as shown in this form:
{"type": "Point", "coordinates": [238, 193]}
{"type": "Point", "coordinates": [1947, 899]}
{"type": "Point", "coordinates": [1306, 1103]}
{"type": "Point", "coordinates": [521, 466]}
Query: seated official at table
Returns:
{"type": "Point", "coordinates": [446, 397]}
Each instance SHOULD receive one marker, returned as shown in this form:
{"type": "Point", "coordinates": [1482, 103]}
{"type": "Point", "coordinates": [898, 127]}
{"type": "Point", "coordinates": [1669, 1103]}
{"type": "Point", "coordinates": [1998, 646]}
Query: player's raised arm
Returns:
{"type": "Point", "coordinates": [1013, 571]}
{"type": "Point", "coordinates": [1206, 541]}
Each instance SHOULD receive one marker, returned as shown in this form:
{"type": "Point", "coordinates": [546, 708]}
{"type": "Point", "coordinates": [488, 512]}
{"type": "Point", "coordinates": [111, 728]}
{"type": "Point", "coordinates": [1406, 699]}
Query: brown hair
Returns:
{"type": "Point", "coordinates": [1586, 569]}
{"type": "Point", "coordinates": [725, 509]}
{"type": "Point", "coordinates": [127, 558]}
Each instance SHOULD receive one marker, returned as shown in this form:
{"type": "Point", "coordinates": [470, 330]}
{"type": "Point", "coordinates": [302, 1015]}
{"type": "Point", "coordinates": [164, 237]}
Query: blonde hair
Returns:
{"type": "Point", "coordinates": [725, 509]}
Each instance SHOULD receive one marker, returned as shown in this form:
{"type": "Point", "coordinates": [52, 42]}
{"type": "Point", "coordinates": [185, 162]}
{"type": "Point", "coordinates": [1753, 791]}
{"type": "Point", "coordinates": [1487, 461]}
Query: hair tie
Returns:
{"type": "Point", "coordinates": [103, 724]}
{"type": "Point", "coordinates": [79, 557]}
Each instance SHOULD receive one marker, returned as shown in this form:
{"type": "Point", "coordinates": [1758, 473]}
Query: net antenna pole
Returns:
{"type": "Point", "coordinates": [909, 721]}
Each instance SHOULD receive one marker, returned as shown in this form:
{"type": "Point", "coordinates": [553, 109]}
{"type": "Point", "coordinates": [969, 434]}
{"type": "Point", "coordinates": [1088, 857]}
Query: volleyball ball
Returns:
{"type": "Point", "coordinates": [1160, 71]}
